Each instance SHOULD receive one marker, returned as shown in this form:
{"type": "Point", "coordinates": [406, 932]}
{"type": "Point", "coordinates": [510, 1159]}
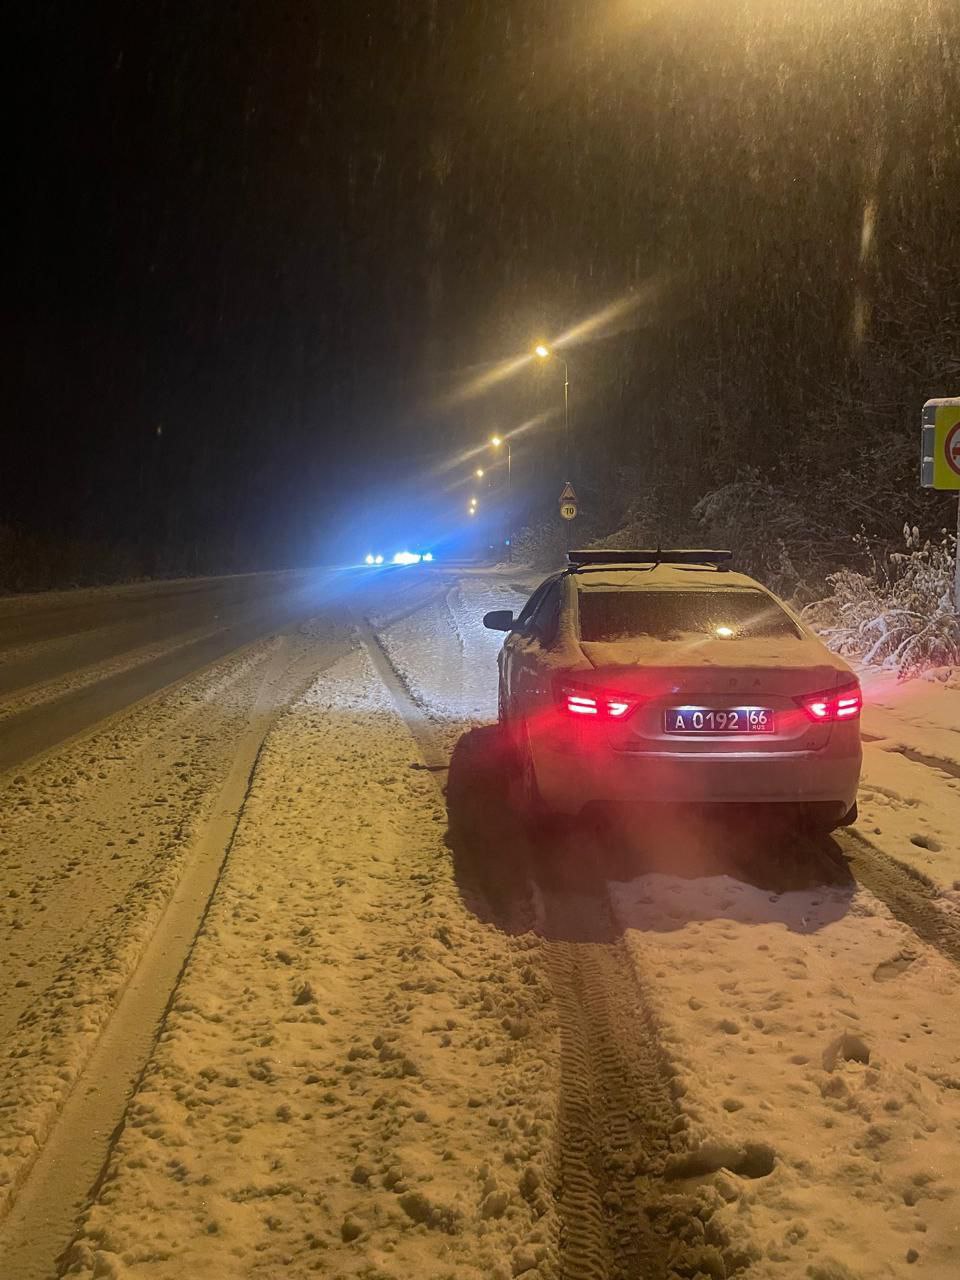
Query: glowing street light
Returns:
{"type": "Point", "coordinates": [542, 350]}
{"type": "Point", "coordinates": [479, 473]}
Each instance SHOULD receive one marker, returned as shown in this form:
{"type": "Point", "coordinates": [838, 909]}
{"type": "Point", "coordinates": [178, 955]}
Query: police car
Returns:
{"type": "Point", "coordinates": [665, 676]}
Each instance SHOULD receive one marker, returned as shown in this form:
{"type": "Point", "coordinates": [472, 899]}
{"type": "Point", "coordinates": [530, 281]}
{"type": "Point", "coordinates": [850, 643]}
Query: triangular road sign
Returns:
{"type": "Point", "coordinates": [568, 494]}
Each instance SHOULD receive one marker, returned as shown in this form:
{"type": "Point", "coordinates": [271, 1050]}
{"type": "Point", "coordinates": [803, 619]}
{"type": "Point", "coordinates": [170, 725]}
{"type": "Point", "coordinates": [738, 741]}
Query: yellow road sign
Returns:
{"type": "Point", "coordinates": [940, 465]}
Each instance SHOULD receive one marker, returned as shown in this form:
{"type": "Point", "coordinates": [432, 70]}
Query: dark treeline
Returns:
{"type": "Point", "coordinates": [260, 246]}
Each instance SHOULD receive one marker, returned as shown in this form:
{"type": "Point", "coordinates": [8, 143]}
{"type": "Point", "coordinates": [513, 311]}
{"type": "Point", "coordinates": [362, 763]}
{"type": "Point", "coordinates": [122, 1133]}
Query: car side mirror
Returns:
{"type": "Point", "coordinates": [498, 620]}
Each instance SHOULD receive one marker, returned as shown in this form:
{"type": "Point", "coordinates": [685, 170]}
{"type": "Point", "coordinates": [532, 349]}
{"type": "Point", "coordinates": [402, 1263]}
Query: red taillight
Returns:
{"type": "Point", "coordinates": [831, 705]}
{"type": "Point", "coordinates": [586, 702]}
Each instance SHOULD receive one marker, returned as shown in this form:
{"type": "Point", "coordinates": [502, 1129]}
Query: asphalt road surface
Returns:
{"type": "Point", "coordinates": [69, 660]}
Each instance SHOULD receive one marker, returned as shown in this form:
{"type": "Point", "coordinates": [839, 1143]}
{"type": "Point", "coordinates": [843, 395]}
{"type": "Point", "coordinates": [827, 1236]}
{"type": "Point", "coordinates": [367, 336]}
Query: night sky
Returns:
{"type": "Point", "coordinates": [259, 248]}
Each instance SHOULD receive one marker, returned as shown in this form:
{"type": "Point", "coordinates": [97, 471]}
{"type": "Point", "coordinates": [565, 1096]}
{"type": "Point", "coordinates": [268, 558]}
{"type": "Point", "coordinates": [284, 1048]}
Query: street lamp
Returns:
{"type": "Point", "coordinates": [497, 442]}
{"type": "Point", "coordinates": [479, 473]}
{"type": "Point", "coordinates": [543, 352]}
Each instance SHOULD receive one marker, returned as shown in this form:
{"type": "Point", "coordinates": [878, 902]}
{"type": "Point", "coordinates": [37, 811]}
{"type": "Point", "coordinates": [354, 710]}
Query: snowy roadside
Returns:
{"type": "Point", "coordinates": [94, 841]}
{"type": "Point", "coordinates": [816, 1052]}
{"type": "Point", "coordinates": [910, 791]}
{"type": "Point", "coordinates": [356, 1077]}
{"type": "Point", "coordinates": [447, 657]}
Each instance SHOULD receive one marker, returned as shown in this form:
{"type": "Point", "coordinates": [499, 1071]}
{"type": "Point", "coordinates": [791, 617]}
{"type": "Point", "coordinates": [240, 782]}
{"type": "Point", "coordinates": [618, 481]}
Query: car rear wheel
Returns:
{"type": "Point", "coordinates": [821, 819]}
{"type": "Point", "coordinates": [528, 802]}
{"type": "Point", "coordinates": [507, 747]}
{"type": "Point", "coordinates": [850, 817]}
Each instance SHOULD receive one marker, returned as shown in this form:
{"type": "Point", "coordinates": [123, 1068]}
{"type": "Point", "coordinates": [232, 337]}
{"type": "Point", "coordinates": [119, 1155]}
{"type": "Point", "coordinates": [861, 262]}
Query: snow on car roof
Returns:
{"type": "Point", "coordinates": [663, 577]}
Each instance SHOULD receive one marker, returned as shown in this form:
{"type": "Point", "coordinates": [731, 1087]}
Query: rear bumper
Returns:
{"type": "Point", "coordinates": [569, 781]}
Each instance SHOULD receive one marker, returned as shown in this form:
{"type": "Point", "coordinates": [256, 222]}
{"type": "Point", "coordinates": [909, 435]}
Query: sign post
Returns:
{"type": "Point", "coordinates": [940, 459]}
{"type": "Point", "coordinates": [568, 502]}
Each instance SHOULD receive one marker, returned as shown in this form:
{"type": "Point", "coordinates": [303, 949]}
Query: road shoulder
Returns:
{"type": "Point", "coordinates": [354, 1071]}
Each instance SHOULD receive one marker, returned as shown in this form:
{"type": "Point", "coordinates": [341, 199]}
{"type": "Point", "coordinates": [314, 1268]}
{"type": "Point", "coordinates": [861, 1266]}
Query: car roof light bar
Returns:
{"type": "Point", "coordinates": [662, 555]}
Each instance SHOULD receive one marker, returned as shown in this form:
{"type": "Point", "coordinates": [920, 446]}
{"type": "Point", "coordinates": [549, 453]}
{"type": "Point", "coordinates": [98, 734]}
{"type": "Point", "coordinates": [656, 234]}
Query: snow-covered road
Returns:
{"type": "Point", "coordinates": [69, 659]}
{"type": "Point", "coordinates": [404, 1042]}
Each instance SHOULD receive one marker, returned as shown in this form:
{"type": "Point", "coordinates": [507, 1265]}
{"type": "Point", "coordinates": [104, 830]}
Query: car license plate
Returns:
{"type": "Point", "coordinates": [709, 720]}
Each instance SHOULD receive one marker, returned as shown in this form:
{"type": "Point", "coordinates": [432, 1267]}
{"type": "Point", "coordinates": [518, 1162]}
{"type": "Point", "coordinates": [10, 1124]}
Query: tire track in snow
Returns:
{"type": "Point", "coordinates": [616, 1108]}
{"type": "Point", "coordinates": [907, 893]}
{"type": "Point", "coordinates": [615, 1111]}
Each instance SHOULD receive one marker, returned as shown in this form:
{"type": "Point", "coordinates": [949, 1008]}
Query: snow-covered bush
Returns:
{"type": "Point", "coordinates": [637, 530]}
{"type": "Point", "coordinates": [543, 544]}
{"type": "Point", "coordinates": [771, 535]}
{"type": "Point", "coordinates": [900, 616]}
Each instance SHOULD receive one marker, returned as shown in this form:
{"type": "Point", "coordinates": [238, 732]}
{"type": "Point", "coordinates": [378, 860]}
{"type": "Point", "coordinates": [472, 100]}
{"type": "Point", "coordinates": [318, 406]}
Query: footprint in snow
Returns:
{"type": "Point", "coordinates": [890, 969]}
{"type": "Point", "coordinates": [925, 842]}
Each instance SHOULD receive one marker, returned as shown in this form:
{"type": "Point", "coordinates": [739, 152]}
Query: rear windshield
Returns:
{"type": "Point", "coordinates": [621, 615]}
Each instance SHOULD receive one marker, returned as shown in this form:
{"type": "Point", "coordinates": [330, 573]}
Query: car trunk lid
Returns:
{"type": "Point", "coordinates": [715, 676]}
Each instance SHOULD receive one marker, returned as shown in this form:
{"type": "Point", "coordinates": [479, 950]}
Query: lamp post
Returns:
{"type": "Point", "coordinates": [543, 352]}
{"type": "Point", "coordinates": [497, 442]}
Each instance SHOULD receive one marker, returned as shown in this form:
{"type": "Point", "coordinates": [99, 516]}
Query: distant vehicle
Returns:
{"type": "Point", "coordinates": [412, 557]}
{"type": "Point", "coordinates": [663, 676]}
{"type": "Point", "coordinates": [400, 557]}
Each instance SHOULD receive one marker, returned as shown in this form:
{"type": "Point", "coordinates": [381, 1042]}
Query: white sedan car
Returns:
{"type": "Point", "coordinates": [663, 676]}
